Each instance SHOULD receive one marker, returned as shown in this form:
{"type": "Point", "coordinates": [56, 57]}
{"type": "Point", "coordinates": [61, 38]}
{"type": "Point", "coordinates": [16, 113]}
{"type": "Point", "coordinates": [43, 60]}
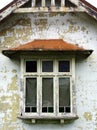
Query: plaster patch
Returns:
{"type": "Point", "coordinates": [13, 84]}
{"type": "Point", "coordinates": [14, 71]}
{"type": "Point", "coordinates": [88, 116]}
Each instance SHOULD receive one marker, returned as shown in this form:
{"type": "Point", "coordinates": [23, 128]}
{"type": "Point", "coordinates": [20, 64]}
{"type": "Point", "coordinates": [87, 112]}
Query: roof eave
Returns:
{"type": "Point", "coordinates": [12, 53]}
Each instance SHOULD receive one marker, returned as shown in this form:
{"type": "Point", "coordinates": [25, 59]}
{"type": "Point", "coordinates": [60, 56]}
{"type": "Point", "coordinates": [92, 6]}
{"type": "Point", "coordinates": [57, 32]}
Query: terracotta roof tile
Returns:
{"type": "Point", "coordinates": [52, 44]}
{"type": "Point", "coordinates": [57, 45]}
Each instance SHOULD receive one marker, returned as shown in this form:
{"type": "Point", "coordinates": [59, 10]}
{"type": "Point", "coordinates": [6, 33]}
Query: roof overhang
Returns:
{"type": "Point", "coordinates": [51, 46]}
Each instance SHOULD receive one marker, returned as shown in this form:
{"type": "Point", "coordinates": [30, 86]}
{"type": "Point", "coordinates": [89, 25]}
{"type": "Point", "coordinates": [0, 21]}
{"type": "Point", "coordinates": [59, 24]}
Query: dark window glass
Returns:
{"type": "Point", "coordinates": [58, 3]}
{"type": "Point", "coordinates": [44, 109]}
{"type": "Point", "coordinates": [31, 66]}
{"type": "Point", "coordinates": [50, 109]}
{"type": "Point", "coordinates": [61, 109]}
{"type": "Point", "coordinates": [64, 66]}
{"type": "Point", "coordinates": [47, 95]}
{"type": "Point", "coordinates": [48, 3]}
{"type": "Point", "coordinates": [31, 94]}
{"type": "Point", "coordinates": [27, 109]}
{"type": "Point", "coordinates": [67, 110]}
{"type": "Point", "coordinates": [64, 94]}
{"type": "Point", "coordinates": [47, 66]}
{"type": "Point", "coordinates": [33, 109]}
{"type": "Point", "coordinates": [38, 3]}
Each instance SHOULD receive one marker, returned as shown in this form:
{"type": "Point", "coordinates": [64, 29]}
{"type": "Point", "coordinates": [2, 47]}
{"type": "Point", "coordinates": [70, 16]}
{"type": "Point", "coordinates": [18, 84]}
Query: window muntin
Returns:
{"type": "Point", "coordinates": [55, 108]}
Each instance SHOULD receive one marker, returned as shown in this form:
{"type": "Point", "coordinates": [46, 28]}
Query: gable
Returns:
{"type": "Point", "coordinates": [65, 6]}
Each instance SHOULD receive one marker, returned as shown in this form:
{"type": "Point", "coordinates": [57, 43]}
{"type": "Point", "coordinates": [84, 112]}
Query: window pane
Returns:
{"type": "Point", "coordinates": [47, 66]}
{"type": "Point", "coordinates": [31, 66]}
{"type": "Point", "coordinates": [47, 95]}
{"type": "Point", "coordinates": [48, 3]}
{"type": "Point", "coordinates": [64, 66]}
{"type": "Point", "coordinates": [31, 94]}
{"type": "Point", "coordinates": [64, 94]}
{"type": "Point", "coordinates": [38, 3]}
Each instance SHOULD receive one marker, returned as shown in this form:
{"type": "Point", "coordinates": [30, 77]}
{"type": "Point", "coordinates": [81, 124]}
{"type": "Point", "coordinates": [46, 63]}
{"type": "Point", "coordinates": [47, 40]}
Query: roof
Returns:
{"type": "Point", "coordinates": [10, 7]}
{"type": "Point", "coordinates": [13, 5]}
{"type": "Point", "coordinates": [46, 45]}
{"type": "Point", "coordinates": [51, 44]}
{"type": "Point", "coordinates": [89, 8]}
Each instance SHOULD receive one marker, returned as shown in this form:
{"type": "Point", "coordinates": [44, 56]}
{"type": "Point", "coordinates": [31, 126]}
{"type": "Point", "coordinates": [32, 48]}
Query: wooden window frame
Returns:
{"type": "Point", "coordinates": [55, 75]}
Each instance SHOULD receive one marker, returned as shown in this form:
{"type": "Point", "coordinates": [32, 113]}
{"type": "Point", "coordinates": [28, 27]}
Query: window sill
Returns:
{"type": "Point", "coordinates": [61, 119]}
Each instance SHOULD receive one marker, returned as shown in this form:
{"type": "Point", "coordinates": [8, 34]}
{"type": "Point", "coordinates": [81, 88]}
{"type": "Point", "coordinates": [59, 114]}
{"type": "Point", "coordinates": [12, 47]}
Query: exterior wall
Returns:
{"type": "Point", "coordinates": [76, 28]}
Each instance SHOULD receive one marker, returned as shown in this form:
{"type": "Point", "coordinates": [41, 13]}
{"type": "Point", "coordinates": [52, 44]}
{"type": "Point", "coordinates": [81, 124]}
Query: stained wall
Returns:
{"type": "Point", "coordinates": [76, 28]}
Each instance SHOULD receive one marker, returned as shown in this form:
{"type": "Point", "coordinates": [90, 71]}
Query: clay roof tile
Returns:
{"type": "Point", "coordinates": [46, 45]}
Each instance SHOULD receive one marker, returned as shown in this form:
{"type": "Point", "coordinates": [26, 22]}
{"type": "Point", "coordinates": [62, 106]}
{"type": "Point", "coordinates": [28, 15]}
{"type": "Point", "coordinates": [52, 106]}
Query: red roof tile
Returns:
{"type": "Point", "coordinates": [52, 44]}
{"type": "Point", "coordinates": [57, 45]}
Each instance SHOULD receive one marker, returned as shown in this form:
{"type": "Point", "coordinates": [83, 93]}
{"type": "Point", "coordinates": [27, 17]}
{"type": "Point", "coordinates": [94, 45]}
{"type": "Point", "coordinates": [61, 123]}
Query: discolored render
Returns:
{"type": "Point", "coordinates": [88, 116]}
{"type": "Point", "coordinates": [9, 105]}
{"type": "Point", "coordinates": [13, 33]}
{"type": "Point", "coordinates": [77, 28]}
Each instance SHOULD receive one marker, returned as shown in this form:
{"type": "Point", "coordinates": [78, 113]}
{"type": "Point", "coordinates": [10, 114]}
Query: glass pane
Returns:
{"type": "Point", "coordinates": [47, 66]}
{"type": "Point", "coordinates": [31, 66]}
{"type": "Point", "coordinates": [38, 3]}
{"type": "Point", "coordinates": [64, 66]}
{"type": "Point", "coordinates": [48, 3]}
{"type": "Point", "coordinates": [31, 94]}
{"type": "Point", "coordinates": [64, 94]}
{"type": "Point", "coordinates": [47, 95]}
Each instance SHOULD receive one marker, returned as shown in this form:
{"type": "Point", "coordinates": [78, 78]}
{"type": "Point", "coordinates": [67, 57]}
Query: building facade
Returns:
{"type": "Point", "coordinates": [47, 41]}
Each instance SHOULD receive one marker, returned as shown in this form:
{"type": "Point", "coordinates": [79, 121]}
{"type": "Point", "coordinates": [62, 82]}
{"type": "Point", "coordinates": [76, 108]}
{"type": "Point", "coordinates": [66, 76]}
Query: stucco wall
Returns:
{"type": "Point", "coordinates": [77, 28]}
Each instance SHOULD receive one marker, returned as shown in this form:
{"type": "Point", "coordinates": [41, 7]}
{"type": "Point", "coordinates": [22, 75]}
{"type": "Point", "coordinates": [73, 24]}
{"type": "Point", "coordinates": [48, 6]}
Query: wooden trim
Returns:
{"type": "Point", "coordinates": [66, 117]}
{"type": "Point", "coordinates": [62, 3]}
{"type": "Point", "coordinates": [50, 9]}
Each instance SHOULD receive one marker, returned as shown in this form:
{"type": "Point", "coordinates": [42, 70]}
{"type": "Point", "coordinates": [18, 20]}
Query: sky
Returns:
{"type": "Point", "coordinates": [3, 3]}
{"type": "Point", "coordinates": [92, 2]}
{"type": "Point", "coordinates": [6, 2]}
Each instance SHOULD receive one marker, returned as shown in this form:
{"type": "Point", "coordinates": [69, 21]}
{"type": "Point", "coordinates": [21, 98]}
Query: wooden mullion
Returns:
{"type": "Point", "coordinates": [62, 3]}
{"type": "Point", "coordinates": [43, 3]}
{"type": "Point", "coordinates": [53, 3]}
{"type": "Point", "coordinates": [33, 3]}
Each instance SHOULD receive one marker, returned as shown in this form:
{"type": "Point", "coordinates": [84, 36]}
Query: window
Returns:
{"type": "Point", "coordinates": [47, 87]}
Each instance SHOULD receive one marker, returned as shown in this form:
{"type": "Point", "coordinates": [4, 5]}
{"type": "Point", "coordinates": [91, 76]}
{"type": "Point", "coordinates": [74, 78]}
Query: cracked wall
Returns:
{"type": "Point", "coordinates": [76, 28]}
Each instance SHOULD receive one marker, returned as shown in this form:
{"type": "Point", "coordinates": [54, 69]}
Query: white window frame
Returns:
{"type": "Point", "coordinates": [56, 74]}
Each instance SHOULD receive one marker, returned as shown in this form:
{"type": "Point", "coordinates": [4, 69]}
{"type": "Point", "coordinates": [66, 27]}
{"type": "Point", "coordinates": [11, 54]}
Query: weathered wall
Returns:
{"type": "Point", "coordinates": [76, 28]}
